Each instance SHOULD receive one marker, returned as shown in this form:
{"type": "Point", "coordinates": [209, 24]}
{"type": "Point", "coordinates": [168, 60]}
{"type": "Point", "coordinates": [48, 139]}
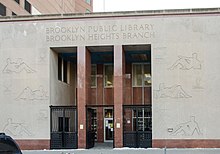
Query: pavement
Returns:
{"type": "Point", "coordinates": [125, 151]}
{"type": "Point", "coordinates": [107, 148]}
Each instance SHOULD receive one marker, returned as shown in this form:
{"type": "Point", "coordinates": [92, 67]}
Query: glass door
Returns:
{"type": "Point", "coordinates": [108, 130]}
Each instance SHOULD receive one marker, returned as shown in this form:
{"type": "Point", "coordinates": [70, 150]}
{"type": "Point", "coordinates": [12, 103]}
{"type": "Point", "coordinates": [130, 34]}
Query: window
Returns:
{"type": "Point", "coordinates": [108, 75]}
{"type": "Point", "coordinates": [18, 1]}
{"type": "Point", "coordinates": [93, 76]}
{"type": "Point", "coordinates": [88, 11]}
{"type": "Point", "coordinates": [147, 75]}
{"type": "Point", "coordinates": [62, 69]}
{"type": "Point", "coordinates": [2, 10]}
{"type": "Point", "coordinates": [63, 126]}
{"type": "Point", "coordinates": [137, 75]}
{"type": "Point", "coordinates": [88, 2]}
{"type": "Point", "coordinates": [14, 14]}
{"type": "Point", "coordinates": [59, 68]}
{"type": "Point", "coordinates": [27, 6]}
{"type": "Point", "coordinates": [142, 120]}
{"type": "Point", "coordinates": [141, 75]}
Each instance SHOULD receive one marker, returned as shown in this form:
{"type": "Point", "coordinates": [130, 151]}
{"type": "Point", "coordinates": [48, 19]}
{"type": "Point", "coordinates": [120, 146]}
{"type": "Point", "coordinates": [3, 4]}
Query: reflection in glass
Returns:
{"type": "Point", "coordinates": [141, 75]}
{"type": "Point", "coordinates": [108, 75]}
{"type": "Point", "coordinates": [93, 76]}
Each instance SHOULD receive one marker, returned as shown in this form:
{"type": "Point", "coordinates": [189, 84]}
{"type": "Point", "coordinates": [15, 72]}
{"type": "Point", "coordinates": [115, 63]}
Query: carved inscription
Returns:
{"type": "Point", "coordinates": [99, 32]}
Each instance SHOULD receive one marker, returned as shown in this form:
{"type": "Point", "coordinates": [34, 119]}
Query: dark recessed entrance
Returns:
{"type": "Point", "coordinates": [100, 127]}
{"type": "Point", "coordinates": [137, 115]}
{"type": "Point", "coordinates": [91, 128]}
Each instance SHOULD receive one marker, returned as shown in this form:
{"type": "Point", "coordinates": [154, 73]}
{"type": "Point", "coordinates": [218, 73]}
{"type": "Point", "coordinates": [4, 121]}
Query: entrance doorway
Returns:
{"type": "Point", "coordinates": [90, 130]}
{"type": "Point", "coordinates": [100, 126]}
{"type": "Point", "coordinates": [108, 130]}
{"type": "Point", "coordinates": [108, 125]}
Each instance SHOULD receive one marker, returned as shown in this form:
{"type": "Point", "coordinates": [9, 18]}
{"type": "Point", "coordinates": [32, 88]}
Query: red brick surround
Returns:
{"type": "Point", "coordinates": [33, 144]}
{"type": "Point", "coordinates": [186, 143]}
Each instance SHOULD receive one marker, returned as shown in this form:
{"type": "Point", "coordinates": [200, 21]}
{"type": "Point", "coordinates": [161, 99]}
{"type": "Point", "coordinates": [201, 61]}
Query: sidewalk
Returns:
{"type": "Point", "coordinates": [125, 151]}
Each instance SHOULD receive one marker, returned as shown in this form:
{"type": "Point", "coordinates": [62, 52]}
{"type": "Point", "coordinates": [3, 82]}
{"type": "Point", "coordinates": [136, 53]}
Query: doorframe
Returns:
{"type": "Point", "coordinates": [104, 108]}
{"type": "Point", "coordinates": [105, 130]}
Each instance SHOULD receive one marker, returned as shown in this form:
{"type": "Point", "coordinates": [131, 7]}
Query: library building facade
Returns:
{"type": "Point", "coordinates": [147, 79]}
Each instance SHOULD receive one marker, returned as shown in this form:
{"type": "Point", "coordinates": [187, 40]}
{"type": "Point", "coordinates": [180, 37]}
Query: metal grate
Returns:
{"type": "Point", "coordinates": [63, 128]}
{"type": "Point", "coordinates": [56, 140]}
{"type": "Point", "coordinates": [90, 131]}
{"type": "Point", "coordinates": [130, 139]}
{"type": "Point", "coordinates": [145, 139]}
{"type": "Point", "coordinates": [137, 124]}
{"type": "Point", "coordinates": [70, 139]}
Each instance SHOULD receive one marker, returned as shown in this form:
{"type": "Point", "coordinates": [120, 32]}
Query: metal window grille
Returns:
{"type": "Point", "coordinates": [137, 124]}
{"type": "Point", "coordinates": [63, 128]}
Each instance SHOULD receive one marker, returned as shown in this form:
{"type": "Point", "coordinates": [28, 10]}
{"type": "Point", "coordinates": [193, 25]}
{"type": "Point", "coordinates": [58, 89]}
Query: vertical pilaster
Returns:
{"type": "Point", "coordinates": [100, 125]}
{"type": "Point", "coordinates": [119, 71]}
{"type": "Point", "coordinates": [83, 84]}
{"type": "Point", "coordinates": [100, 78]}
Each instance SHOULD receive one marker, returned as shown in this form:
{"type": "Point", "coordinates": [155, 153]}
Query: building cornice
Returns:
{"type": "Point", "coordinates": [169, 12]}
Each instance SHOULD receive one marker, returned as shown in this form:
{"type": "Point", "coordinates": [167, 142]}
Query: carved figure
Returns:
{"type": "Point", "coordinates": [29, 94]}
{"type": "Point", "coordinates": [17, 67]}
{"type": "Point", "coordinates": [187, 63]}
{"type": "Point", "coordinates": [16, 129]}
{"type": "Point", "coordinates": [175, 91]}
{"type": "Point", "coordinates": [188, 128]}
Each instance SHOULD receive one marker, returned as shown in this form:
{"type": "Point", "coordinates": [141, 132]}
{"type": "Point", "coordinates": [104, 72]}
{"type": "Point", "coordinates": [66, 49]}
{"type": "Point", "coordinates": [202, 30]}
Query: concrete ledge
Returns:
{"type": "Point", "coordinates": [112, 14]}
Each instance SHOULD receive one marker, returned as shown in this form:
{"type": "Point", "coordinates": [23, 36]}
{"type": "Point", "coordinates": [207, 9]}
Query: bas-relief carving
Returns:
{"type": "Point", "coordinates": [175, 91]}
{"type": "Point", "coordinates": [198, 84]}
{"type": "Point", "coordinates": [187, 63]}
{"type": "Point", "coordinates": [7, 85]}
{"type": "Point", "coordinates": [42, 115]}
{"type": "Point", "coordinates": [29, 94]}
{"type": "Point", "coordinates": [188, 128]}
{"type": "Point", "coordinates": [16, 129]}
{"type": "Point", "coordinates": [42, 57]}
{"type": "Point", "coordinates": [17, 66]}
